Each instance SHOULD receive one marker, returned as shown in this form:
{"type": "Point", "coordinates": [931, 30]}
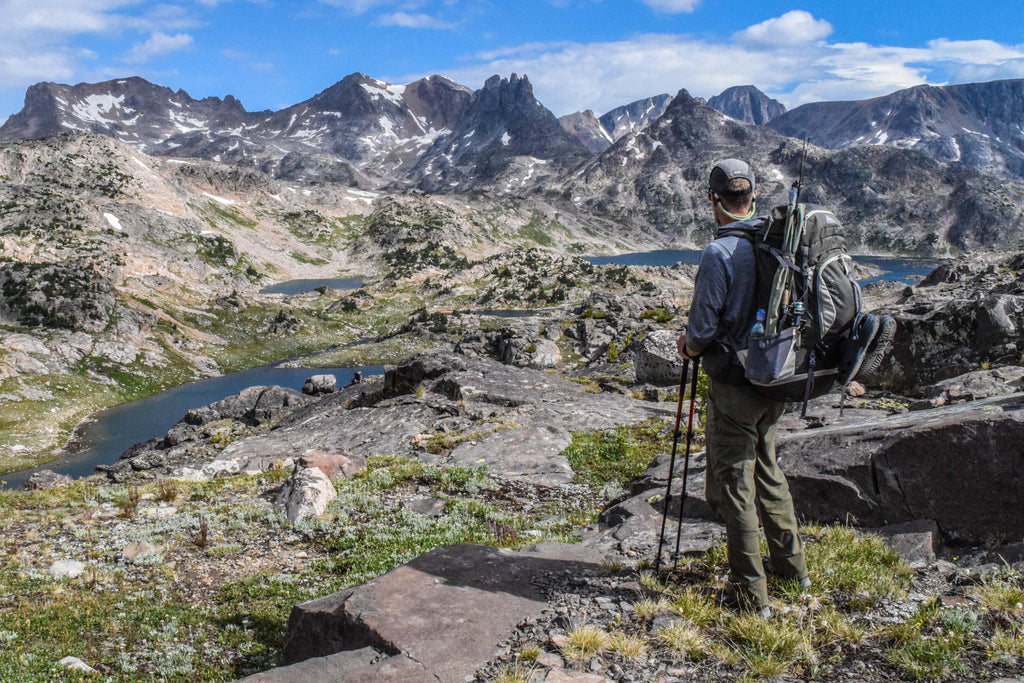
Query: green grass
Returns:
{"type": "Point", "coordinates": [148, 622]}
{"type": "Point", "coordinates": [810, 631]}
{"type": "Point", "coordinates": [231, 215]}
{"type": "Point", "coordinates": [860, 570]}
{"type": "Point", "coordinates": [302, 257]}
{"type": "Point", "coordinates": [535, 231]}
{"type": "Point", "coordinates": [931, 643]}
{"type": "Point", "coordinates": [616, 455]}
{"type": "Point", "coordinates": [658, 315]}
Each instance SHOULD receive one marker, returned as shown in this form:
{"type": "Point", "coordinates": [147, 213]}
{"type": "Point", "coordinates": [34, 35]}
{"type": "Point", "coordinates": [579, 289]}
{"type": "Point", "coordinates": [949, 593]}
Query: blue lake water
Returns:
{"type": "Point", "coordinates": [117, 429]}
{"type": "Point", "coordinates": [292, 287]}
{"type": "Point", "coordinates": [894, 269]}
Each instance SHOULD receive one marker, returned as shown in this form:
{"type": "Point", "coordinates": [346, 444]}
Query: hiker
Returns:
{"type": "Point", "coordinates": [743, 478]}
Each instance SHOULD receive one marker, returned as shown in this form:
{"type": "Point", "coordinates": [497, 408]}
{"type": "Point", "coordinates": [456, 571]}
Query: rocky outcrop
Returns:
{"type": "Point", "coordinates": [433, 406]}
{"type": "Point", "coordinates": [958, 466]}
{"type": "Point", "coordinates": [68, 296]}
{"type": "Point", "coordinates": [966, 314]}
{"type": "Point", "coordinates": [181, 451]}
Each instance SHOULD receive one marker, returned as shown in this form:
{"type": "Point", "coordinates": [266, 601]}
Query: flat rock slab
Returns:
{"type": "Point", "coordinates": [525, 417]}
{"type": "Point", "coordinates": [356, 666]}
{"type": "Point", "coordinates": [447, 610]}
{"type": "Point", "coordinates": [534, 454]}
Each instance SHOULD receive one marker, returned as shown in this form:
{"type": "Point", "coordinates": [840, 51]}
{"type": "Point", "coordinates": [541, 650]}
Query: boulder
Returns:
{"type": "Point", "coordinates": [447, 609]}
{"type": "Point", "coordinates": [656, 359]}
{"type": "Point", "coordinates": [133, 552]}
{"type": "Point", "coordinates": [318, 385]}
{"type": "Point", "coordinates": [47, 479]}
{"type": "Point", "coordinates": [307, 493]}
{"type": "Point", "coordinates": [958, 465]}
{"type": "Point", "coordinates": [333, 463]}
{"type": "Point", "coordinates": [546, 355]}
{"type": "Point", "coordinates": [76, 664]}
{"type": "Point", "coordinates": [916, 541]}
{"type": "Point", "coordinates": [256, 405]}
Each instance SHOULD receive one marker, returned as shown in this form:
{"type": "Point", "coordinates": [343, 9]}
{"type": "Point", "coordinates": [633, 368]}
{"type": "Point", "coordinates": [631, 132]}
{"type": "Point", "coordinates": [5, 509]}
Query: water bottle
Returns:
{"type": "Point", "coordinates": [757, 329]}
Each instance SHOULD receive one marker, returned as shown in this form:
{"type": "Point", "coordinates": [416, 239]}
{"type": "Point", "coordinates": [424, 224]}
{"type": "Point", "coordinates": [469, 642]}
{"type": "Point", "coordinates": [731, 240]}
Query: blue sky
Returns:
{"type": "Point", "coordinates": [579, 54]}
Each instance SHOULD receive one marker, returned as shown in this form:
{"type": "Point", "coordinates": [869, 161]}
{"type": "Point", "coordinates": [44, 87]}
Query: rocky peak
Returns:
{"type": "Point", "coordinates": [585, 127]}
{"type": "Point", "coordinates": [747, 103]}
{"type": "Point", "coordinates": [634, 116]}
{"type": "Point", "coordinates": [976, 124]}
{"type": "Point", "coordinates": [503, 123]}
{"type": "Point", "coordinates": [131, 109]}
{"type": "Point", "coordinates": [438, 100]}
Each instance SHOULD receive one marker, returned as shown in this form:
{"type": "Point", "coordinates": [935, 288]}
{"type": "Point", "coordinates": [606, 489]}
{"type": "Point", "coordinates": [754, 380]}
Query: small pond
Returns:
{"type": "Point", "coordinates": [292, 287]}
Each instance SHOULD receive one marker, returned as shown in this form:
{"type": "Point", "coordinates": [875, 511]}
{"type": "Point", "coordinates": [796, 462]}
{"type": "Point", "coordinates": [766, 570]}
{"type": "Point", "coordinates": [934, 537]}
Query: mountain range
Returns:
{"type": "Point", "coordinates": [919, 170]}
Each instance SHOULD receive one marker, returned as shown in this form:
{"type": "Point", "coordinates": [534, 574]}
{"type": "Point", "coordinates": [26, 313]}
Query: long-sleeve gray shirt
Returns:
{"type": "Point", "coordinates": [723, 296]}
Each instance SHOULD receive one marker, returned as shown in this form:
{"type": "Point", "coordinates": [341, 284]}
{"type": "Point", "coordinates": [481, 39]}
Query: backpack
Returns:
{"type": "Point", "coordinates": [809, 301]}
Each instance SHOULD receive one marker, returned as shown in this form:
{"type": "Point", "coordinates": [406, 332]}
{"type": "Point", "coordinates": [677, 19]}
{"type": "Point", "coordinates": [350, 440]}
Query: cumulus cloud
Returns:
{"type": "Point", "coordinates": [407, 20]}
{"type": "Point", "coordinates": [792, 28]}
{"type": "Point", "coordinates": [672, 6]}
{"type": "Point", "coordinates": [158, 44]}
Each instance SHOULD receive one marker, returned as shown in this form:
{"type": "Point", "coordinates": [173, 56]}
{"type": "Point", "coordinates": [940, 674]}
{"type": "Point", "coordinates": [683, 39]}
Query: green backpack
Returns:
{"type": "Point", "coordinates": [808, 302]}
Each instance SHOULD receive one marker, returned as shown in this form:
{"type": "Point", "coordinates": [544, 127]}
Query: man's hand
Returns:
{"type": "Point", "coordinates": [681, 346]}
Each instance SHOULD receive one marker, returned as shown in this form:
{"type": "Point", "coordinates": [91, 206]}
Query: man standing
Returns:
{"type": "Point", "coordinates": [743, 478]}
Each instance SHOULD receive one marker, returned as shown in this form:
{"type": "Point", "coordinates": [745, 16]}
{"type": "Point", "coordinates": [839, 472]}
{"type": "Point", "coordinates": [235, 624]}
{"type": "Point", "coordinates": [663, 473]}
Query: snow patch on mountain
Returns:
{"type": "Point", "coordinates": [114, 222]}
{"type": "Point", "coordinates": [94, 107]}
{"type": "Point", "coordinates": [220, 200]}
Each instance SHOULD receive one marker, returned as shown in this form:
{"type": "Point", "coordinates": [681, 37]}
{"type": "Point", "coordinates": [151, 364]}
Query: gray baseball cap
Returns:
{"type": "Point", "coordinates": [727, 169]}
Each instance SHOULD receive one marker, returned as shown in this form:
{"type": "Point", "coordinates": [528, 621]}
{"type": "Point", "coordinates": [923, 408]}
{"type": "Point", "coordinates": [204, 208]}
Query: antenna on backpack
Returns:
{"type": "Point", "coordinates": [795, 198]}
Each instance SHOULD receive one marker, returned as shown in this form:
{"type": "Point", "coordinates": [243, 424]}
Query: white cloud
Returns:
{"type": "Point", "coordinates": [974, 51]}
{"type": "Point", "coordinates": [788, 57]}
{"type": "Point", "coordinates": [158, 44]}
{"type": "Point", "coordinates": [18, 69]}
{"type": "Point", "coordinates": [792, 28]}
{"type": "Point", "coordinates": [407, 20]}
{"type": "Point", "coordinates": [59, 16]}
{"type": "Point", "coordinates": [672, 6]}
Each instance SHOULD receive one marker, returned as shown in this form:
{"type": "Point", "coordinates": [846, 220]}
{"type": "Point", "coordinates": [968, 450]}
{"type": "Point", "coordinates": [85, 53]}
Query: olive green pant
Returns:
{"type": "Point", "coordinates": [744, 481]}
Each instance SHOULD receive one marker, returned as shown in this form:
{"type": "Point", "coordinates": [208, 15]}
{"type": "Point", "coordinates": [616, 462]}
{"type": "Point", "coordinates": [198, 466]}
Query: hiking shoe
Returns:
{"type": "Point", "coordinates": [729, 600]}
{"type": "Point", "coordinates": [876, 348]}
{"type": "Point", "coordinates": [852, 349]}
{"type": "Point", "coordinates": [769, 570]}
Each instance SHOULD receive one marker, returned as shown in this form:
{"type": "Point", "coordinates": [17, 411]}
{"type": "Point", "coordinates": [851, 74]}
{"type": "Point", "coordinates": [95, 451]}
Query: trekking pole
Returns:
{"type": "Point", "coordinates": [686, 460]}
{"type": "Point", "coordinates": [672, 460]}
